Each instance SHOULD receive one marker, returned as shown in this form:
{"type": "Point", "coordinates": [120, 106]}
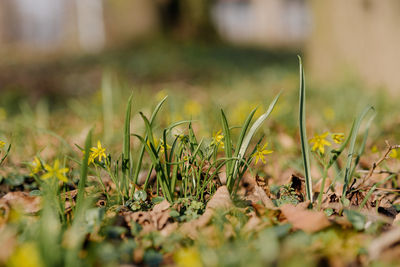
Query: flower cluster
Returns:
{"type": "Point", "coordinates": [319, 141]}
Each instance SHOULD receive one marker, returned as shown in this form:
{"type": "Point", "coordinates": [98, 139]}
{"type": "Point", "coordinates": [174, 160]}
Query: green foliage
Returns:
{"type": "Point", "coordinates": [303, 134]}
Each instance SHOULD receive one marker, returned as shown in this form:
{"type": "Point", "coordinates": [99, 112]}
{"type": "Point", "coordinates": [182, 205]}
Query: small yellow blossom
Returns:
{"type": "Point", "coordinates": [320, 142]}
{"type": "Point", "coordinates": [395, 154]}
{"type": "Point", "coordinates": [155, 143]}
{"type": "Point", "coordinates": [2, 144]}
{"type": "Point", "coordinates": [217, 139]}
{"type": "Point", "coordinates": [26, 255]}
{"type": "Point", "coordinates": [162, 146]}
{"type": "Point", "coordinates": [97, 152]}
{"type": "Point", "coordinates": [187, 257]}
{"type": "Point", "coordinates": [261, 151]}
{"type": "Point", "coordinates": [192, 108]}
{"type": "Point", "coordinates": [55, 171]}
{"type": "Point", "coordinates": [338, 138]}
{"type": "Point", "coordinates": [36, 166]}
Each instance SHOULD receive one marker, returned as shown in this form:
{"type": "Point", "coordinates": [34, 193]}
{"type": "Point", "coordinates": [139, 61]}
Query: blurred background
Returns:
{"type": "Point", "coordinates": [42, 39]}
{"type": "Point", "coordinates": [76, 54]}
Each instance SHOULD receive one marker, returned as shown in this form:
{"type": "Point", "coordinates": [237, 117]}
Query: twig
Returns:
{"type": "Point", "coordinates": [383, 158]}
{"type": "Point", "coordinates": [387, 189]}
{"type": "Point", "coordinates": [378, 172]}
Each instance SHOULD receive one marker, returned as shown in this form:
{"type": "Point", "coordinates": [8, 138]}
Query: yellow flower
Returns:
{"type": "Point", "coordinates": [374, 149]}
{"type": "Point", "coordinates": [2, 144]}
{"type": "Point", "coordinates": [55, 171]}
{"type": "Point", "coordinates": [162, 147]}
{"type": "Point", "coordinates": [192, 108]}
{"type": "Point", "coordinates": [320, 142]}
{"type": "Point", "coordinates": [261, 151]}
{"type": "Point", "coordinates": [188, 257]}
{"type": "Point", "coordinates": [338, 138]}
{"type": "Point", "coordinates": [217, 139]}
{"type": "Point", "coordinates": [155, 143]}
{"type": "Point", "coordinates": [36, 166]}
{"type": "Point", "coordinates": [26, 255]}
{"type": "Point", "coordinates": [395, 154]}
{"type": "Point", "coordinates": [97, 152]}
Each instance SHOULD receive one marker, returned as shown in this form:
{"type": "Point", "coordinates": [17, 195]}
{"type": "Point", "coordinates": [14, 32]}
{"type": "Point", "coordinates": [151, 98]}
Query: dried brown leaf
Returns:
{"type": "Point", "coordinates": [220, 200]}
{"type": "Point", "coordinates": [303, 219]}
{"type": "Point", "coordinates": [22, 201]}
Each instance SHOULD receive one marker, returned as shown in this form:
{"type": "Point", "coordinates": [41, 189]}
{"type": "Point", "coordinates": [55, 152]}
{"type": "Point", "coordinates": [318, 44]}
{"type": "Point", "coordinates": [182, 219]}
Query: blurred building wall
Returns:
{"type": "Point", "coordinates": [360, 37]}
{"type": "Point", "coordinates": [72, 25]}
{"type": "Point", "coordinates": [268, 23]}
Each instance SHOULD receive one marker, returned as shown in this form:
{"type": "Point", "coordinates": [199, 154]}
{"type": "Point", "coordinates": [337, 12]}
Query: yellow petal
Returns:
{"type": "Point", "coordinates": [263, 160]}
{"type": "Point", "coordinates": [47, 175]}
{"type": "Point", "coordinates": [56, 164]}
{"type": "Point", "coordinates": [266, 152]}
{"type": "Point", "coordinates": [47, 167]}
{"type": "Point", "coordinates": [324, 135]}
{"type": "Point", "coordinates": [62, 178]}
{"type": "Point", "coordinates": [63, 170]}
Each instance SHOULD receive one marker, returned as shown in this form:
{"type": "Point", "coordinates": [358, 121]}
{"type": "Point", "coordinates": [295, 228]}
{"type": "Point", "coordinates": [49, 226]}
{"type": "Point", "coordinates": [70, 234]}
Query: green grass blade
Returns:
{"type": "Point", "coordinates": [228, 145]}
{"type": "Point", "coordinates": [244, 131]}
{"type": "Point", "coordinates": [178, 123]}
{"type": "Point", "coordinates": [84, 171]}
{"type": "Point", "coordinates": [127, 137]}
{"type": "Point", "coordinates": [6, 154]}
{"type": "Point", "coordinates": [303, 133]}
{"type": "Point", "coordinates": [361, 148]}
{"type": "Point", "coordinates": [350, 154]}
{"type": "Point", "coordinates": [142, 148]}
{"type": "Point", "coordinates": [249, 136]}
{"type": "Point", "coordinates": [156, 110]}
{"type": "Point", "coordinates": [149, 131]}
{"type": "Point", "coordinates": [164, 183]}
{"type": "Point", "coordinates": [336, 153]}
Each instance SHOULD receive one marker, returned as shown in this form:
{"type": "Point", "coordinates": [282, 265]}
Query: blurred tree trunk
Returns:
{"type": "Point", "coordinates": [186, 18]}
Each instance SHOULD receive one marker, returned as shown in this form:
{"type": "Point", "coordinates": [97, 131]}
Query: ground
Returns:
{"type": "Point", "coordinates": [170, 179]}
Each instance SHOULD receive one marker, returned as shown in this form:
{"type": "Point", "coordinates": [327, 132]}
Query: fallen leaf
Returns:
{"type": "Point", "coordinates": [303, 219]}
{"type": "Point", "coordinates": [378, 245]}
{"type": "Point", "coordinates": [220, 200]}
{"type": "Point", "coordinates": [23, 201]}
{"type": "Point", "coordinates": [162, 206]}
{"type": "Point", "coordinates": [258, 195]}
{"type": "Point", "coordinates": [154, 220]}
